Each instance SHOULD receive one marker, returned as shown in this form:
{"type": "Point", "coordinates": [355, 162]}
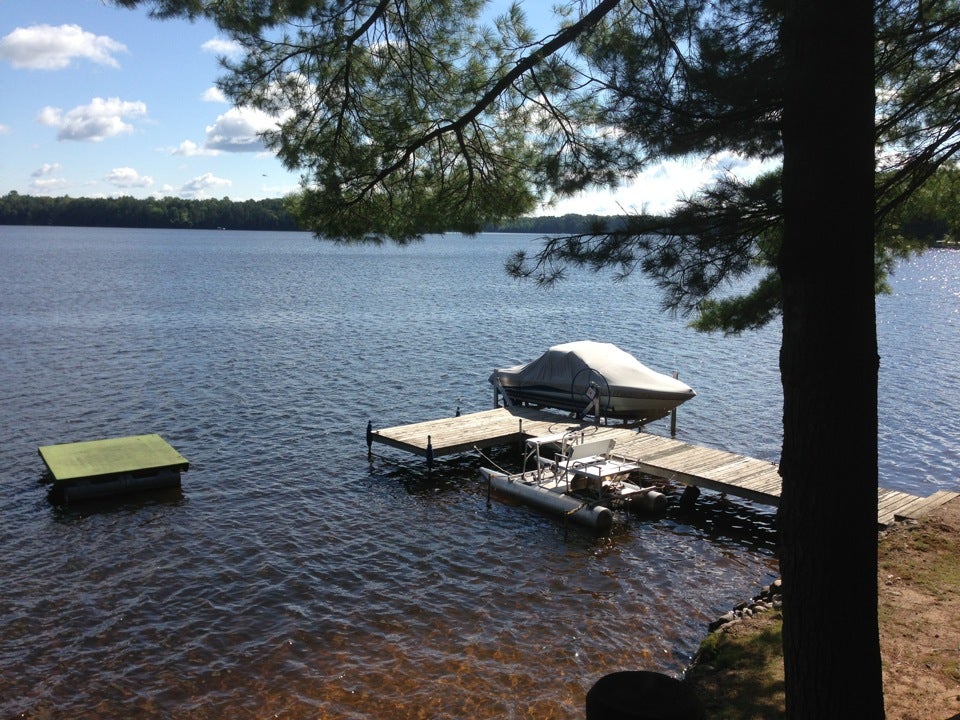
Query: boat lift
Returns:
{"type": "Point", "coordinates": [583, 481]}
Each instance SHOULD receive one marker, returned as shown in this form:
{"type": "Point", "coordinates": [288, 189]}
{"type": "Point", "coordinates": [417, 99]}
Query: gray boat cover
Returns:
{"type": "Point", "coordinates": [562, 363]}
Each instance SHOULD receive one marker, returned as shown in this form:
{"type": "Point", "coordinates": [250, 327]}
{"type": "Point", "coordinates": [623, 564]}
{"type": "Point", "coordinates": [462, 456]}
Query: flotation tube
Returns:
{"type": "Point", "coordinates": [554, 503]}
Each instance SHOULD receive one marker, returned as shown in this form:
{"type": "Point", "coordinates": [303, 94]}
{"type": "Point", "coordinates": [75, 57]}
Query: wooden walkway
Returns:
{"type": "Point", "coordinates": [666, 458]}
{"type": "Point", "coordinates": [464, 433]}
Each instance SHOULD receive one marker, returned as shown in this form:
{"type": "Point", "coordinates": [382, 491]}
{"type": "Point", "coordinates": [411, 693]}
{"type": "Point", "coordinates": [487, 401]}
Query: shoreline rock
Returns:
{"type": "Point", "coordinates": [769, 598]}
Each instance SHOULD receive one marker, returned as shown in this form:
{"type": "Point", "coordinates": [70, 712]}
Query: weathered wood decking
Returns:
{"type": "Point", "coordinates": [667, 458]}
{"type": "Point", "coordinates": [449, 436]}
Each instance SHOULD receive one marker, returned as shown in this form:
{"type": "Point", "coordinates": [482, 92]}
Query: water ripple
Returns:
{"type": "Point", "coordinates": [293, 575]}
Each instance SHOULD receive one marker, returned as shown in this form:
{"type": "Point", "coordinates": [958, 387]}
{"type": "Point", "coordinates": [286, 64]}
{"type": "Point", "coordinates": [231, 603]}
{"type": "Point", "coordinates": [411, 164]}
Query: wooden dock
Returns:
{"type": "Point", "coordinates": [489, 428]}
{"type": "Point", "coordinates": [667, 458]}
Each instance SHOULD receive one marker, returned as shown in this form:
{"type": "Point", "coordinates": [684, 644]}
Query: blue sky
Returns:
{"type": "Point", "coordinates": [101, 101]}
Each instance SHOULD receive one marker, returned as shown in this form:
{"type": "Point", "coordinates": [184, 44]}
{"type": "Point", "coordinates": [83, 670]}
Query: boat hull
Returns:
{"type": "Point", "coordinates": [621, 404]}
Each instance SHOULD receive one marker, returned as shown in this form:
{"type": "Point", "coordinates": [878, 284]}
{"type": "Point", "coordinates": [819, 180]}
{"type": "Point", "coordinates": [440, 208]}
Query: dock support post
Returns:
{"type": "Point", "coordinates": [429, 452]}
{"type": "Point", "coordinates": [520, 431]}
{"type": "Point", "coordinates": [689, 497]}
{"type": "Point", "coordinates": [673, 413]}
{"type": "Point", "coordinates": [369, 437]}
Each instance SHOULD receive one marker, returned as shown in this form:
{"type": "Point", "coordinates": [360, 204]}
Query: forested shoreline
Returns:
{"type": "Point", "coordinates": [210, 214]}
{"type": "Point", "coordinates": [273, 214]}
{"type": "Point", "coordinates": [165, 213]}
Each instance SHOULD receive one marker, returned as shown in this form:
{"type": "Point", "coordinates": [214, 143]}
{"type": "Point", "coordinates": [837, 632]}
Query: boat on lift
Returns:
{"type": "Point", "coordinates": [592, 378]}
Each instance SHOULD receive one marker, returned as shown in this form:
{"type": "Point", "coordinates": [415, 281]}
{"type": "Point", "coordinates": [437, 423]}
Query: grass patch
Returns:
{"type": "Point", "coordinates": [739, 674]}
{"type": "Point", "coordinates": [925, 555]}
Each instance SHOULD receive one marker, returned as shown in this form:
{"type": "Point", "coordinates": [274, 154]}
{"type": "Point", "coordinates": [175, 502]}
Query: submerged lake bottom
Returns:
{"type": "Point", "coordinates": [295, 575]}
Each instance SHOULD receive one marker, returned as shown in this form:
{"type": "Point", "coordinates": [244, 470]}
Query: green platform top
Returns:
{"type": "Point", "coordinates": [114, 456]}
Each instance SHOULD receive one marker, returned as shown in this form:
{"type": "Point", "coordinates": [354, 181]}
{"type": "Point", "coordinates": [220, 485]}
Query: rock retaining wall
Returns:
{"type": "Point", "coordinates": [770, 598]}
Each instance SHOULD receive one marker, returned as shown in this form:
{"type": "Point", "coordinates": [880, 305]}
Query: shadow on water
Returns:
{"type": "Point", "coordinates": [68, 513]}
{"type": "Point", "coordinates": [413, 475]}
{"type": "Point", "coordinates": [713, 516]}
{"type": "Point", "coordinates": [448, 473]}
{"type": "Point", "coordinates": [459, 475]}
{"type": "Point", "coordinates": [719, 518]}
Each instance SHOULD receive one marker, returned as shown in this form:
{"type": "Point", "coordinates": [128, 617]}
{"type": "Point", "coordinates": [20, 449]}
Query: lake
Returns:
{"type": "Point", "coordinates": [293, 576]}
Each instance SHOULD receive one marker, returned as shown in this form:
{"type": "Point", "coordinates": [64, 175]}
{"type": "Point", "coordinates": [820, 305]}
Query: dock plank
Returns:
{"type": "Point", "coordinates": [746, 471]}
{"type": "Point", "coordinates": [762, 482]}
{"type": "Point", "coordinates": [463, 433]}
{"type": "Point", "coordinates": [893, 500]}
{"type": "Point", "coordinates": [921, 506]}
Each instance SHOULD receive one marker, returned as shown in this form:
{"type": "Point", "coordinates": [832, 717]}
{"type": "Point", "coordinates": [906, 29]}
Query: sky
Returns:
{"type": "Point", "coordinates": [100, 101]}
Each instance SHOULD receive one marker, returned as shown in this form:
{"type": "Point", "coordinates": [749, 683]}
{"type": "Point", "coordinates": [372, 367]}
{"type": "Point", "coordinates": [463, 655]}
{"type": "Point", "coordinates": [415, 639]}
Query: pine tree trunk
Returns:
{"type": "Point", "coordinates": [829, 365]}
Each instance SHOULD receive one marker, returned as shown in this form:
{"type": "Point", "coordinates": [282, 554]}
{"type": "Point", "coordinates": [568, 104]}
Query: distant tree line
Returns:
{"type": "Point", "coordinates": [172, 212]}
{"type": "Point", "coordinates": [168, 212]}
{"type": "Point", "coordinates": [932, 218]}
{"type": "Point", "coordinates": [556, 224]}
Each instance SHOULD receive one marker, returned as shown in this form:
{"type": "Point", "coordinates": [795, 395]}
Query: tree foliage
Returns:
{"type": "Point", "coordinates": [412, 117]}
{"type": "Point", "coordinates": [721, 88]}
{"type": "Point", "coordinates": [931, 213]}
{"type": "Point", "coordinates": [918, 98]}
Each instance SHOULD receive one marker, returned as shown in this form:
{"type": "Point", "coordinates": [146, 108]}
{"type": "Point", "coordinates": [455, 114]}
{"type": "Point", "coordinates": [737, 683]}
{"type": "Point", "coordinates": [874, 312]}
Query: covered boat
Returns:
{"type": "Point", "coordinates": [592, 378]}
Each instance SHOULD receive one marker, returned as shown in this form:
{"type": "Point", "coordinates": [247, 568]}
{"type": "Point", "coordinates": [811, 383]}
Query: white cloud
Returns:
{"type": "Point", "coordinates": [239, 130]}
{"type": "Point", "coordinates": [126, 177]}
{"type": "Point", "coordinates": [97, 121]}
{"type": "Point", "coordinates": [659, 188]}
{"type": "Point", "coordinates": [48, 47]}
{"type": "Point", "coordinates": [188, 148]}
{"type": "Point", "coordinates": [4, 129]}
{"type": "Point", "coordinates": [50, 116]}
{"type": "Point", "coordinates": [223, 48]}
{"type": "Point", "coordinates": [199, 186]}
{"type": "Point", "coordinates": [46, 169]}
{"type": "Point", "coordinates": [214, 95]}
{"type": "Point", "coordinates": [48, 185]}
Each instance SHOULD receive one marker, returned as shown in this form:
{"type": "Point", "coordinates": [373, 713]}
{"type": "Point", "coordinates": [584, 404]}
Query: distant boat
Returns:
{"type": "Point", "coordinates": [592, 378]}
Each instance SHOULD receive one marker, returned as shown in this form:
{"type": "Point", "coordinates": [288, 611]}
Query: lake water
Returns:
{"type": "Point", "coordinates": [293, 576]}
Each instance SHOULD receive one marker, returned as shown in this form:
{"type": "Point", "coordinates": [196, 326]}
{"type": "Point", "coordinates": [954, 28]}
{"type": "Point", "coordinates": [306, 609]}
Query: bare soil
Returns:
{"type": "Point", "coordinates": [919, 603]}
{"type": "Point", "coordinates": [919, 611]}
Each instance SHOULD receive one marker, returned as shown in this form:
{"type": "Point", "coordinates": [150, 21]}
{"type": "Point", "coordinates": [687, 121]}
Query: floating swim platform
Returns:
{"type": "Point", "coordinates": [115, 466]}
